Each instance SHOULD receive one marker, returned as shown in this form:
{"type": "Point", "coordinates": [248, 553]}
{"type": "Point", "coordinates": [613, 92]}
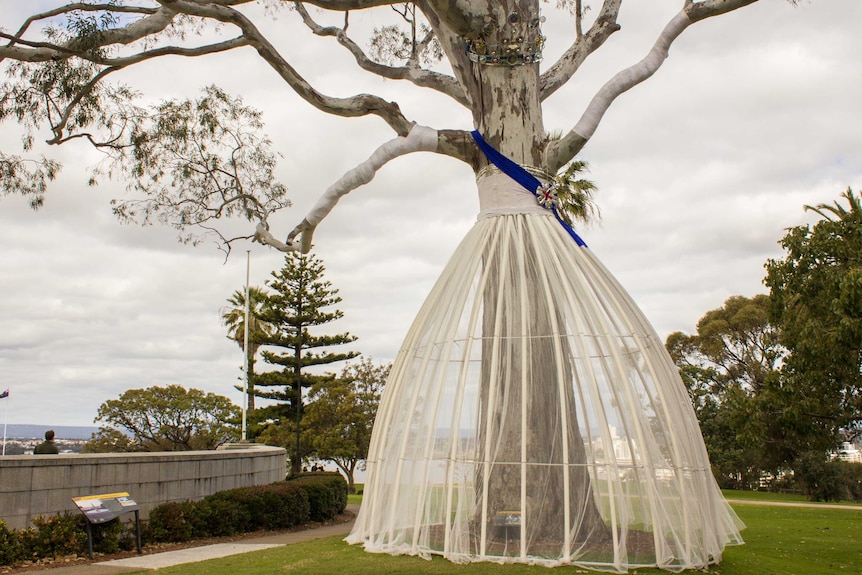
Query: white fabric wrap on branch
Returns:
{"type": "Point", "coordinates": [630, 77]}
{"type": "Point", "coordinates": [420, 139]}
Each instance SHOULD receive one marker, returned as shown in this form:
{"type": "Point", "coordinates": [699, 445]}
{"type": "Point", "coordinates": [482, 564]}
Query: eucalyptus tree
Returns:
{"type": "Point", "coordinates": [735, 345]}
{"type": "Point", "coordinates": [731, 368]}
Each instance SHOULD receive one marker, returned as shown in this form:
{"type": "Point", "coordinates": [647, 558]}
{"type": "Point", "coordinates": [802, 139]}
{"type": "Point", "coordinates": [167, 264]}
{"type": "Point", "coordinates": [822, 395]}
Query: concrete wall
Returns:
{"type": "Point", "coordinates": [32, 485]}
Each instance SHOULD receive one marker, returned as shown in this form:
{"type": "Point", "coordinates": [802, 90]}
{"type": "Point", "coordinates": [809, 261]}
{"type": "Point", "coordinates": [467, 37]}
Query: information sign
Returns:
{"type": "Point", "coordinates": [102, 508]}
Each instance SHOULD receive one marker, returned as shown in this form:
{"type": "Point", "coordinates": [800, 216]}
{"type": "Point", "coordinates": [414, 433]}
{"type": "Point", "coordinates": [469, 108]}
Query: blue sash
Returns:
{"type": "Point", "coordinates": [523, 177]}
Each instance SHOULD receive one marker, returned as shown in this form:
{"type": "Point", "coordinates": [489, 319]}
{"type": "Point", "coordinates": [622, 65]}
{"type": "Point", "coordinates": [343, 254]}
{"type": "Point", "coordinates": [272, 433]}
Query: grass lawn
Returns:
{"type": "Point", "coordinates": [779, 541]}
{"type": "Point", "coordinates": [733, 495]}
{"type": "Point", "coordinates": [796, 541]}
{"type": "Point", "coordinates": [356, 497]}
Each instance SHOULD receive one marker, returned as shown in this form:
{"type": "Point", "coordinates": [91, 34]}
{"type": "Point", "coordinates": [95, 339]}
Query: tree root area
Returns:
{"type": "Point", "coordinates": [506, 544]}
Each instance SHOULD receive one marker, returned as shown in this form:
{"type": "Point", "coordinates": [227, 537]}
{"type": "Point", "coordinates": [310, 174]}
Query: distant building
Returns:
{"type": "Point", "coordinates": [24, 446]}
{"type": "Point", "coordinates": [849, 452]}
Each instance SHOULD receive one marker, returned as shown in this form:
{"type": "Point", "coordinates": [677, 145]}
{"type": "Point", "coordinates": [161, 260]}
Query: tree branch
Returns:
{"type": "Point", "coordinates": [563, 150]}
{"type": "Point", "coordinates": [355, 106]}
{"type": "Point", "coordinates": [41, 52]}
{"type": "Point", "coordinates": [419, 139]}
{"type": "Point", "coordinates": [584, 45]}
{"type": "Point", "coordinates": [124, 61]}
{"type": "Point", "coordinates": [76, 7]}
{"type": "Point", "coordinates": [237, 42]}
{"type": "Point", "coordinates": [58, 128]}
{"type": "Point", "coordinates": [459, 144]}
{"type": "Point", "coordinates": [412, 72]}
{"type": "Point", "coordinates": [708, 8]}
{"type": "Point", "coordinates": [160, 20]}
{"type": "Point", "coordinates": [346, 5]}
{"type": "Point", "coordinates": [453, 14]}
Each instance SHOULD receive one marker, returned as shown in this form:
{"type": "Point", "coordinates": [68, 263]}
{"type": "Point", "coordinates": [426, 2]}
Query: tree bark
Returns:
{"type": "Point", "coordinates": [530, 446]}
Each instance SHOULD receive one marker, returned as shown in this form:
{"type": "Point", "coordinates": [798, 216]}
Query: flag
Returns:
{"type": "Point", "coordinates": [4, 393]}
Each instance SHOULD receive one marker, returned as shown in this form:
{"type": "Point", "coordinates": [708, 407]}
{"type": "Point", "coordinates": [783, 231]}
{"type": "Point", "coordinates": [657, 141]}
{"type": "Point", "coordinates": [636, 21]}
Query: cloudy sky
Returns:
{"type": "Point", "coordinates": [699, 170]}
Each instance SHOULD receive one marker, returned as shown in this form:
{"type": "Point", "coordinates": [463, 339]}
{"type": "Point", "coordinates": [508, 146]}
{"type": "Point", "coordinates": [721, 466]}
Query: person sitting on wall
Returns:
{"type": "Point", "coordinates": [47, 447]}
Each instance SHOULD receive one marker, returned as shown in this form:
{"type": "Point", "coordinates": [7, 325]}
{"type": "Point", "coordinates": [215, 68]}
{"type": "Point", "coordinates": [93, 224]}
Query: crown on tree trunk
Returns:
{"type": "Point", "coordinates": [518, 42]}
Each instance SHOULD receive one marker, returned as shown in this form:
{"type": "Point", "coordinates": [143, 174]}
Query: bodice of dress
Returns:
{"type": "Point", "coordinates": [499, 195]}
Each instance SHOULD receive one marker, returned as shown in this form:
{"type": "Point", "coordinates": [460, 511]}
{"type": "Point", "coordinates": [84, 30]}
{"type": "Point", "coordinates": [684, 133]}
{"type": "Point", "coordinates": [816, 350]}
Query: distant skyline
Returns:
{"type": "Point", "coordinates": [699, 171]}
{"type": "Point", "coordinates": [36, 431]}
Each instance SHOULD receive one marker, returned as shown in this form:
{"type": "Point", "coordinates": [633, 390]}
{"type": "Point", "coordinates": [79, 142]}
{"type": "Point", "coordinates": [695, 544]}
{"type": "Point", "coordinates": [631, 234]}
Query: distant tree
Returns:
{"type": "Point", "coordinates": [821, 478]}
{"type": "Point", "coordinates": [737, 345]}
{"type": "Point", "coordinates": [298, 303]}
{"type": "Point", "coordinates": [278, 431]}
{"type": "Point", "coordinates": [170, 418]}
{"type": "Point", "coordinates": [233, 318]}
{"type": "Point", "coordinates": [729, 367]}
{"type": "Point", "coordinates": [109, 440]}
{"type": "Point", "coordinates": [816, 295]}
{"type": "Point", "coordinates": [340, 414]}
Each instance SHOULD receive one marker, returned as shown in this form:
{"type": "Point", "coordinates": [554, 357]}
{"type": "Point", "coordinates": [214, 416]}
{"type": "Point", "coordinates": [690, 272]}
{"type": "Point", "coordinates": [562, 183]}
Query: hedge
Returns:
{"type": "Point", "coordinates": [309, 497]}
{"type": "Point", "coordinates": [327, 493]}
{"type": "Point", "coordinates": [275, 506]}
{"type": "Point", "coordinates": [306, 497]}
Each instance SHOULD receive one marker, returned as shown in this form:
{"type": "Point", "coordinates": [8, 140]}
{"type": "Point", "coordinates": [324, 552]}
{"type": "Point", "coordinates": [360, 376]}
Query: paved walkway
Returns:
{"type": "Point", "coordinates": [202, 553]}
{"type": "Point", "coordinates": [794, 504]}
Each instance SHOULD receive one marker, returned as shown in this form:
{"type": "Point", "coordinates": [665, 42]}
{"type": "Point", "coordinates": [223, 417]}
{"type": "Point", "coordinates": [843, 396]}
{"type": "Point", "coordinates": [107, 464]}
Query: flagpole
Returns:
{"type": "Point", "coordinates": [245, 347]}
{"type": "Point", "coordinates": [5, 421]}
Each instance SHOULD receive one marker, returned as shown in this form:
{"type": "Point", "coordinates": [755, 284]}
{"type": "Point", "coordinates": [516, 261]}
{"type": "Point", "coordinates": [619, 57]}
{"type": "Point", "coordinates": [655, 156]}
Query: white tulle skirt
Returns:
{"type": "Point", "coordinates": [534, 416]}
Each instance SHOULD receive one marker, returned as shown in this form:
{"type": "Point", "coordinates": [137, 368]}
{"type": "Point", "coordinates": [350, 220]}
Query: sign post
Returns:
{"type": "Point", "coordinates": [103, 508]}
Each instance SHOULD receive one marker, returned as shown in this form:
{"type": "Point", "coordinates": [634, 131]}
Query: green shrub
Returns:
{"type": "Point", "coordinates": [172, 521]}
{"type": "Point", "coordinates": [294, 506]}
{"type": "Point", "coordinates": [824, 479]}
{"type": "Point", "coordinates": [55, 536]}
{"type": "Point", "coordinates": [251, 504]}
{"type": "Point", "coordinates": [127, 536]}
{"type": "Point", "coordinates": [11, 550]}
{"type": "Point", "coordinates": [218, 517]}
{"type": "Point", "coordinates": [275, 506]}
{"type": "Point", "coordinates": [282, 506]}
{"type": "Point", "coordinates": [241, 510]}
{"type": "Point", "coordinates": [327, 493]}
{"type": "Point", "coordinates": [853, 479]}
{"type": "Point", "coordinates": [106, 536]}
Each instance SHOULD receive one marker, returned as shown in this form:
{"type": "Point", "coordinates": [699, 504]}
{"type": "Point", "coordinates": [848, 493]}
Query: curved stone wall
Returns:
{"type": "Point", "coordinates": [32, 485]}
